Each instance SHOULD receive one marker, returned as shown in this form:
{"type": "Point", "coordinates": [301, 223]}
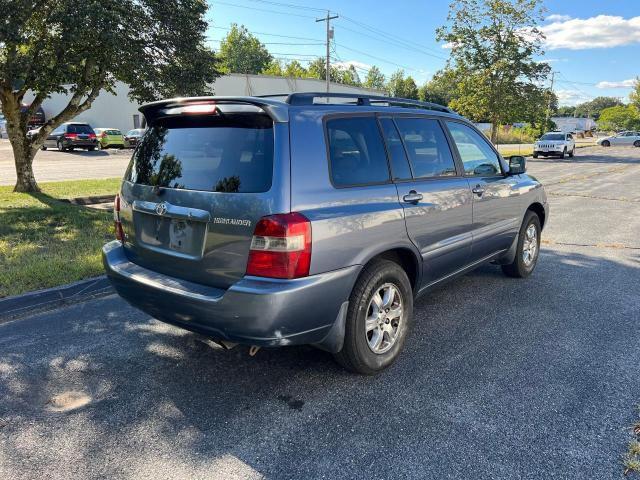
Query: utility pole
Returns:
{"type": "Point", "coordinates": [553, 74]}
{"type": "Point", "coordinates": [328, 19]}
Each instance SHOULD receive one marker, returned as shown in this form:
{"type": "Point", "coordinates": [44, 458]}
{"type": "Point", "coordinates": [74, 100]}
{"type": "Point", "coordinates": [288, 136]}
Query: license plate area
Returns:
{"type": "Point", "coordinates": [166, 234]}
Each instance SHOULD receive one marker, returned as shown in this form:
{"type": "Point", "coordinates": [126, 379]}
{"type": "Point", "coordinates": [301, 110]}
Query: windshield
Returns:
{"type": "Point", "coordinates": [233, 153]}
{"type": "Point", "coordinates": [552, 136]}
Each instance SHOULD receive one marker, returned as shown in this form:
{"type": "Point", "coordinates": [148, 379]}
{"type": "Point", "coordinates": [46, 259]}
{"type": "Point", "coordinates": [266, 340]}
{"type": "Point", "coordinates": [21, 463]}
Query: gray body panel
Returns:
{"type": "Point", "coordinates": [449, 231]}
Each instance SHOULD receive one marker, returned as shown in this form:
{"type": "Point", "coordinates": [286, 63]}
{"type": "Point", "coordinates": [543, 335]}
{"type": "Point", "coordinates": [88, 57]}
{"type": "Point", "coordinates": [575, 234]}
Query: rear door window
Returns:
{"type": "Point", "coordinates": [399, 164]}
{"type": "Point", "coordinates": [79, 129]}
{"type": "Point", "coordinates": [231, 153]}
{"type": "Point", "coordinates": [113, 132]}
{"type": "Point", "coordinates": [356, 152]}
{"type": "Point", "coordinates": [427, 147]}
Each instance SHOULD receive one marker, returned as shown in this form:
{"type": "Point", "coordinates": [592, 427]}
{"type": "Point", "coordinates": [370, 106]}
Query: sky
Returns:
{"type": "Point", "coordinates": [592, 45]}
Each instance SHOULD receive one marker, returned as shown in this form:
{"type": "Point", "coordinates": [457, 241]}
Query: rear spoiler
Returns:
{"type": "Point", "coordinates": [277, 110]}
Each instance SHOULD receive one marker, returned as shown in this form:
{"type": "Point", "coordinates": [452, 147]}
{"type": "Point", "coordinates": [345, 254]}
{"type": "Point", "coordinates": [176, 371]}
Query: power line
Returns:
{"type": "Point", "coordinates": [290, 5]}
{"type": "Point", "coordinates": [272, 34]}
{"type": "Point", "coordinates": [263, 9]}
{"type": "Point", "coordinates": [377, 58]}
{"type": "Point", "coordinates": [275, 43]}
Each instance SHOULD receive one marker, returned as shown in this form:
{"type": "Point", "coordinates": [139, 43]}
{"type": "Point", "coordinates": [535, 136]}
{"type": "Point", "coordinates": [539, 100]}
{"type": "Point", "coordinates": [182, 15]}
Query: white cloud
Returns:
{"type": "Point", "coordinates": [602, 31]}
{"type": "Point", "coordinates": [345, 65]}
{"type": "Point", "coordinates": [558, 18]}
{"type": "Point", "coordinates": [622, 84]}
{"type": "Point", "coordinates": [571, 97]}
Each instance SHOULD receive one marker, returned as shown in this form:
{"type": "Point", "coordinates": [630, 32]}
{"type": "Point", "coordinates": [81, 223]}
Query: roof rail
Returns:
{"type": "Point", "coordinates": [307, 98]}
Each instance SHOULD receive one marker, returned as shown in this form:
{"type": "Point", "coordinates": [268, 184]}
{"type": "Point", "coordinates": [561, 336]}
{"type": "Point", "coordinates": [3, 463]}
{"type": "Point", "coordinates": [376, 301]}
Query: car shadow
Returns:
{"type": "Point", "coordinates": [491, 362]}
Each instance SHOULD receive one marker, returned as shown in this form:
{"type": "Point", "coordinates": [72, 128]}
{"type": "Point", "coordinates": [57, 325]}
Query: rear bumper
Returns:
{"type": "Point", "coordinates": [80, 143]}
{"type": "Point", "coordinates": [255, 311]}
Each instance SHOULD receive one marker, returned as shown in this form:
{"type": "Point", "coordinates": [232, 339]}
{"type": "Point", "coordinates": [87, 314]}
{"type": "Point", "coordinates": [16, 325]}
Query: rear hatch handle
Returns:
{"type": "Point", "coordinates": [166, 209]}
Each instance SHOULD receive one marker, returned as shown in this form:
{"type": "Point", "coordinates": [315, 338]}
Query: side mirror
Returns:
{"type": "Point", "coordinates": [517, 165]}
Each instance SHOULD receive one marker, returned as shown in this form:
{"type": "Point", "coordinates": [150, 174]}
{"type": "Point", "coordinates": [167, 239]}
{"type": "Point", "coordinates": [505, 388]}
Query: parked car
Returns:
{"type": "Point", "coordinates": [133, 137]}
{"type": "Point", "coordinates": [37, 119]}
{"type": "Point", "coordinates": [555, 143]}
{"type": "Point", "coordinates": [70, 136]}
{"type": "Point", "coordinates": [273, 223]}
{"type": "Point", "coordinates": [109, 137]}
{"type": "Point", "coordinates": [3, 127]}
{"type": "Point", "coordinates": [622, 138]}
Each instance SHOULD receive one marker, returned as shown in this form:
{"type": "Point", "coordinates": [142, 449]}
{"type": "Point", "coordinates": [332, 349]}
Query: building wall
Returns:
{"type": "Point", "coordinates": [116, 110]}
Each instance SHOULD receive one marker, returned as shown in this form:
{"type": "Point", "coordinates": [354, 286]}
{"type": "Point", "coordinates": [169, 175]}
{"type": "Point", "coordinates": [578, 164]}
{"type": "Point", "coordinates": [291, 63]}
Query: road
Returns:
{"type": "Point", "coordinates": [52, 166]}
{"type": "Point", "coordinates": [500, 378]}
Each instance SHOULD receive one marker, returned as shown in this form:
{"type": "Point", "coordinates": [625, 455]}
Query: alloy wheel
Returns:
{"type": "Point", "coordinates": [384, 317]}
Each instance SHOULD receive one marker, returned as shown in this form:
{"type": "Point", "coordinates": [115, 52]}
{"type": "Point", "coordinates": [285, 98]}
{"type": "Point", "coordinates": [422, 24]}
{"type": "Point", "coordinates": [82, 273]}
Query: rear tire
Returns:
{"type": "Point", "coordinates": [606, 143]}
{"type": "Point", "coordinates": [43, 147]}
{"type": "Point", "coordinates": [373, 336]}
{"type": "Point", "coordinates": [90, 149]}
{"type": "Point", "coordinates": [523, 265]}
{"type": "Point", "coordinates": [535, 154]}
{"type": "Point", "coordinates": [636, 143]}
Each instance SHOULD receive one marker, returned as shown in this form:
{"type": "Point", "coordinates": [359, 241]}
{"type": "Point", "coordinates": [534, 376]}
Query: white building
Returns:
{"type": "Point", "coordinates": [118, 111]}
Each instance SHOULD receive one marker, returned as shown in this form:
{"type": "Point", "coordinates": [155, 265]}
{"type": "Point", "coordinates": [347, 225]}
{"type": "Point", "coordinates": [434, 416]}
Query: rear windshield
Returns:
{"type": "Point", "coordinates": [552, 136]}
{"type": "Point", "coordinates": [230, 153]}
{"type": "Point", "coordinates": [113, 132]}
{"type": "Point", "coordinates": [79, 129]}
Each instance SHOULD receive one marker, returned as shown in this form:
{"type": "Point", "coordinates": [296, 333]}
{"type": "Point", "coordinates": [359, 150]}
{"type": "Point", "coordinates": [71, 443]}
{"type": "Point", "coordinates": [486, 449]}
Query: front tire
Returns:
{"type": "Point", "coordinates": [43, 147]}
{"type": "Point", "coordinates": [60, 146]}
{"type": "Point", "coordinates": [606, 143]}
{"type": "Point", "coordinates": [528, 248]}
{"type": "Point", "coordinates": [572, 152]}
{"type": "Point", "coordinates": [378, 318]}
{"type": "Point", "coordinates": [90, 149]}
{"type": "Point", "coordinates": [636, 143]}
{"type": "Point", "coordinates": [535, 154]}
{"type": "Point", "coordinates": [564, 153]}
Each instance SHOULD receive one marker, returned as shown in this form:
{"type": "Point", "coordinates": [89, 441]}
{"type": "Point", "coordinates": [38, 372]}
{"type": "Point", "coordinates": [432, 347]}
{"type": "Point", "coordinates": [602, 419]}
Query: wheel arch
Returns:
{"type": "Point", "coordinates": [538, 209]}
{"type": "Point", "coordinates": [407, 259]}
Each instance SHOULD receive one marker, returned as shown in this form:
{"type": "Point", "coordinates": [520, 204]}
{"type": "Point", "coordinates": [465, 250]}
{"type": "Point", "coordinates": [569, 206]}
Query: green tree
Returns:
{"type": "Point", "coordinates": [634, 96]}
{"type": "Point", "coordinates": [395, 85]}
{"type": "Point", "coordinates": [440, 89]}
{"type": "Point", "coordinates": [241, 52]}
{"type": "Point", "coordinates": [493, 46]}
{"type": "Point", "coordinates": [374, 79]}
{"type": "Point", "coordinates": [593, 108]}
{"type": "Point", "coordinates": [157, 47]}
{"type": "Point", "coordinates": [349, 76]}
{"type": "Point", "coordinates": [621, 117]}
{"type": "Point", "coordinates": [566, 111]}
{"type": "Point", "coordinates": [274, 68]}
{"type": "Point", "coordinates": [295, 69]}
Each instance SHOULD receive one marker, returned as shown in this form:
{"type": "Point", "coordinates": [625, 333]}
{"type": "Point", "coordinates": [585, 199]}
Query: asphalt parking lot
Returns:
{"type": "Point", "coordinates": [53, 166]}
{"type": "Point", "coordinates": [501, 378]}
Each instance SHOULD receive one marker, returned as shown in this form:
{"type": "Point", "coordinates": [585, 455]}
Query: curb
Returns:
{"type": "Point", "coordinates": [12, 308]}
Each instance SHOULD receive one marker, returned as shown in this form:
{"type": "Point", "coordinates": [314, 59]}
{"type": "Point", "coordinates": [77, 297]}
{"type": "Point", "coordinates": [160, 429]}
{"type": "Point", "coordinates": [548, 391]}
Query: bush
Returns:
{"type": "Point", "coordinates": [516, 135]}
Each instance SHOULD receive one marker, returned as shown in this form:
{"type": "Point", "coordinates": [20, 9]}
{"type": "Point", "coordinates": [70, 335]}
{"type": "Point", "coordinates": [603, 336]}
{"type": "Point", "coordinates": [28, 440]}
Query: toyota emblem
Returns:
{"type": "Point", "coordinates": [161, 208]}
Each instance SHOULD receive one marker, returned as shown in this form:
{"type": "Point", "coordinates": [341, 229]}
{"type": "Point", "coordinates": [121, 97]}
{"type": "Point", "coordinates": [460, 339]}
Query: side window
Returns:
{"type": "Point", "coordinates": [399, 164]}
{"type": "Point", "coordinates": [58, 130]}
{"type": "Point", "coordinates": [427, 147]}
{"type": "Point", "coordinates": [477, 156]}
{"type": "Point", "coordinates": [569, 137]}
{"type": "Point", "coordinates": [356, 152]}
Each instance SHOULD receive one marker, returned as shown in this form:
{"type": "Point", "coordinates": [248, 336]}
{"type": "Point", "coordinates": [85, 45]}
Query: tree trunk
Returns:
{"type": "Point", "coordinates": [495, 125]}
{"type": "Point", "coordinates": [23, 158]}
{"type": "Point", "coordinates": [23, 149]}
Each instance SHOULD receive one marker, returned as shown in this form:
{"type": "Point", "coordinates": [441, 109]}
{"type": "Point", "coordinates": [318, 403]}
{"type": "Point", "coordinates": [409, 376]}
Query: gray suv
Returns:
{"type": "Point", "coordinates": [317, 219]}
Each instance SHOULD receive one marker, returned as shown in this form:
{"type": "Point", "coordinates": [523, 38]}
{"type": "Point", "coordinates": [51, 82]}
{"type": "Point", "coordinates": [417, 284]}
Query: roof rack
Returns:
{"type": "Point", "coordinates": [307, 98]}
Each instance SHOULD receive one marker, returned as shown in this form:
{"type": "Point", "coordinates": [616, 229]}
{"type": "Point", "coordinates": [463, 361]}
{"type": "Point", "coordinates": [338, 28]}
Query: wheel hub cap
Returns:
{"type": "Point", "coordinates": [530, 245]}
{"type": "Point", "coordinates": [384, 315]}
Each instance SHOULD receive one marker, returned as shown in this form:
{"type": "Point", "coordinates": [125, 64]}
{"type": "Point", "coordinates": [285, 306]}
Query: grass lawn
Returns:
{"type": "Point", "coordinates": [45, 242]}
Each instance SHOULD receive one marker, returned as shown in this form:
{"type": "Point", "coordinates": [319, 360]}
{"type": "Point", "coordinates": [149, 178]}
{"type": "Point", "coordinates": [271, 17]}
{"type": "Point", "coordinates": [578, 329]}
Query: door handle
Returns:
{"type": "Point", "coordinates": [412, 197]}
{"type": "Point", "coordinates": [478, 190]}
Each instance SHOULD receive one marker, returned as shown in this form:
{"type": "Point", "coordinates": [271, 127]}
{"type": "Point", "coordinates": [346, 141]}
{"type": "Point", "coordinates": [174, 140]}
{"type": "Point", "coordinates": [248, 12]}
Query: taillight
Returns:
{"type": "Point", "coordinates": [281, 247]}
{"type": "Point", "coordinates": [92, 135]}
{"type": "Point", "coordinates": [104, 135]}
{"type": "Point", "coordinates": [116, 219]}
